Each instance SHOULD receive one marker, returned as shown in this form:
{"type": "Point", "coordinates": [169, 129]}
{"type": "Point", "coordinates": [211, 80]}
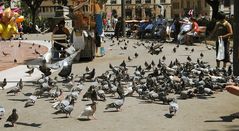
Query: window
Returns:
{"type": "Point", "coordinates": [226, 3]}
{"type": "Point", "coordinates": [188, 4]}
{"type": "Point", "coordinates": [199, 5]}
{"type": "Point", "coordinates": [128, 1]}
{"type": "Point", "coordinates": [162, 1]}
{"type": "Point", "coordinates": [176, 5]}
{"type": "Point", "coordinates": [128, 13]}
{"type": "Point", "coordinates": [138, 13]}
{"type": "Point", "coordinates": [113, 1]}
{"type": "Point", "coordinates": [138, 1]}
{"type": "Point", "coordinates": [148, 1]}
{"type": "Point", "coordinates": [148, 12]}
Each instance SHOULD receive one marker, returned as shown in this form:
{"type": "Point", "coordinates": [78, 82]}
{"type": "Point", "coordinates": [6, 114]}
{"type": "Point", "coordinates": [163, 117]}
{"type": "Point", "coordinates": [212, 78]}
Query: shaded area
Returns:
{"type": "Point", "coordinates": [61, 117]}
{"type": "Point", "coordinates": [29, 124]}
{"type": "Point", "coordinates": [168, 115]}
{"type": "Point", "coordinates": [228, 118]}
{"type": "Point", "coordinates": [84, 119]}
{"type": "Point", "coordinates": [22, 100]}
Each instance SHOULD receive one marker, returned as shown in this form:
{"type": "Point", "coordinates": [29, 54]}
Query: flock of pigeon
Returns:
{"type": "Point", "coordinates": [151, 82]}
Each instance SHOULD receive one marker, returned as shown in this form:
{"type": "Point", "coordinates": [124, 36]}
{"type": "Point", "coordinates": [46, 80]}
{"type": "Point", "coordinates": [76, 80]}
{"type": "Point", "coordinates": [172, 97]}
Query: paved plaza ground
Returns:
{"type": "Point", "coordinates": [198, 114]}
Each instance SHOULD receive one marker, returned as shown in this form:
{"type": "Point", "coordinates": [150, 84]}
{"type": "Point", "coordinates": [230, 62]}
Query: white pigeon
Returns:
{"type": "Point", "coordinates": [89, 111]}
{"type": "Point", "coordinates": [2, 111]}
{"type": "Point", "coordinates": [173, 107]}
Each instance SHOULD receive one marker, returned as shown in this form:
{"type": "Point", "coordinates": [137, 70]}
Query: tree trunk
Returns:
{"type": "Point", "coordinates": [215, 7]}
{"type": "Point", "coordinates": [236, 39]}
{"type": "Point", "coordinates": [34, 20]}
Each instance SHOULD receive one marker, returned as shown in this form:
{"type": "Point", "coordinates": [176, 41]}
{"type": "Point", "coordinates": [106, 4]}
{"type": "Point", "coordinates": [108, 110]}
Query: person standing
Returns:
{"type": "Point", "coordinates": [118, 29]}
{"type": "Point", "coordinates": [222, 30]}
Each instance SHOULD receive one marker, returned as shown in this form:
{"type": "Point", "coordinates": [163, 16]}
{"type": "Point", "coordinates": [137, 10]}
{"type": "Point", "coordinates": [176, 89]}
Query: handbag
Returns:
{"type": "Point", "coordinates": [221, 49]}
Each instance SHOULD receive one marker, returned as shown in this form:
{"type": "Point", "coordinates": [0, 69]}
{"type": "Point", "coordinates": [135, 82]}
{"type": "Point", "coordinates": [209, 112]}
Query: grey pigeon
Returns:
{"type": "Point", "coordinates": [67, 109]}
{"type": "Point", "coordinates": [3, 83]}
{"type": "Point", "coordinates": [13, 117]}
{"type": "Point", "coordinates": [30, 71]}
{"type": "Point", "coordinates": [31, 101]}
{"type": "Point", "coordinates": [116, 104]}
{"type": "Point", "coordinates": [16, 89]}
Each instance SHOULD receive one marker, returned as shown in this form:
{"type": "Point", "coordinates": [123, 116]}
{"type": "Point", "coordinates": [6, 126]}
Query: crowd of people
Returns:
{"type": "Point", "coordinates": [183, 30]}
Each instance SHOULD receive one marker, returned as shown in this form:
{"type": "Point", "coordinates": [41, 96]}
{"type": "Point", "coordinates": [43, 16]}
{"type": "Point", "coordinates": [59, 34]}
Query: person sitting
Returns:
{"type": "Point", "coordinates": [186, 27]}
{"type": "Point", "coordinates": [193, 32]}
{"type": "Point", "coordinates": [148, 28]}
{"type": "Point", "coordinates": [61, 29]}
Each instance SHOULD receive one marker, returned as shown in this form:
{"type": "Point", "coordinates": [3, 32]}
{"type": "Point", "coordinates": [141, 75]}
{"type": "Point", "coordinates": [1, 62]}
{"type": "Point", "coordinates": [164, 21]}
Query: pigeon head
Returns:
{"type": "Point", "coordinates": [14, 110]}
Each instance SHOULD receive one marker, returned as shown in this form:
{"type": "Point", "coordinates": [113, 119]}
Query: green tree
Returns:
{"type": "Point", "coordinates": [60, 2]}
{"type": "Point", "coordinates": [33, 5]}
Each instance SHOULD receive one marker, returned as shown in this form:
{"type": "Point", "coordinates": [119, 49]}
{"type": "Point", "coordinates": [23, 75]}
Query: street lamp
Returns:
{"type": "Point", "coordinates": [123, 16]}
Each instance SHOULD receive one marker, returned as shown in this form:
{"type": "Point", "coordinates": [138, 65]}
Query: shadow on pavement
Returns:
{"type": "Point", "coordinates": [228, 118]}
{"type": "Point", "coordinates": [29, 124]}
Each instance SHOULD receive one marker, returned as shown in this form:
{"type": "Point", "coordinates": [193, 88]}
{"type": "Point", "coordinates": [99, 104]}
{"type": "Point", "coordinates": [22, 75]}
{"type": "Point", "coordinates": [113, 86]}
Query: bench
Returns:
{"type": "Point", "coordinates": [54, 39]}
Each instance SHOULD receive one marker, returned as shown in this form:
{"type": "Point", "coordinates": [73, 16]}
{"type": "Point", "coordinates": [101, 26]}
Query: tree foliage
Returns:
{"type": "Point", "coordinates": [60, 2]}
{"type": "Point", "coordinates": [33, 5]}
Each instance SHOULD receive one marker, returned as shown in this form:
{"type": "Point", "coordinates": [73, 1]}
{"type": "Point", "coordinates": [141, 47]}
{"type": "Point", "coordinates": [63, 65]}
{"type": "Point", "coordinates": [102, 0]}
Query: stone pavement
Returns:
{"type": "Point", "coordinates": [14, 74]}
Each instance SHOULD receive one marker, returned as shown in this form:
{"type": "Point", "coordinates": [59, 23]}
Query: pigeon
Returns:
{"type": "Point", "coordinates": [189, 58]}
{"type": "Point", "coordinates": [163, 58]}
{"type": "Point", "coordinates": [30, 71]}
{"type": "Point", "coordinates": [16, 89]}
{"type": "Point", "coordinates": [174, 50]}
{"type": "Point", "coordinates": [3, 83]}
{"type": "Point", "coordinates": [229, 70]}
{"type": "Point", "coordinates": [36, 52]}
{"type": "Point", "coordinates": [129, 59]}
{"type": "Point", "coordinates": [87, 69]}
{"type": "Point", "coordinates": [66, 109]}
{"type": "Point", "coordinates": [136, 55]}
{"type": "Point", "coordinates": [116, 104]}
{"type": "Point", "coordinates": [89, 75]}
{"type": "Point", "coordinates": [15, 60]}
{"type": "Point", "coordinates": [173, 107]}
{"type": "Point", "coordinates": [89, 110]}
{"type": "Point", "coordinates": [201, 55]}
{"type": "Point", "coordinates": [19, 45]}
{"type": "Point", "coordinates": [65, 71]}
{"type": "Point", "coordinates": [13, 117]}
{"type": "Point", "coordinates": [123, 64]}
{"type": "Point", "coordinates": [31, 101]}
{"type": "Point", "coordinates": [192, 50]}
{"type": "Point", "coordinates": [2, 111]}
{"type": "Point", "coordinates": [5, 54]}
{"type": "Point", "coordinates": [44, 69]}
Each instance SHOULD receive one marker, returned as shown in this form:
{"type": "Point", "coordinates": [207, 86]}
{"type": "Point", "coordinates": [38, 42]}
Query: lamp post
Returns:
{"type": "Point", "coordinates": [123, 16]}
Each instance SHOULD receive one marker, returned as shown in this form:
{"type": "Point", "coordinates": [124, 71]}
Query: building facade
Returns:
{"type": "Point", "coordinates": [181, 7]}
{"type": "Point", "coordinates": [139, 9]}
